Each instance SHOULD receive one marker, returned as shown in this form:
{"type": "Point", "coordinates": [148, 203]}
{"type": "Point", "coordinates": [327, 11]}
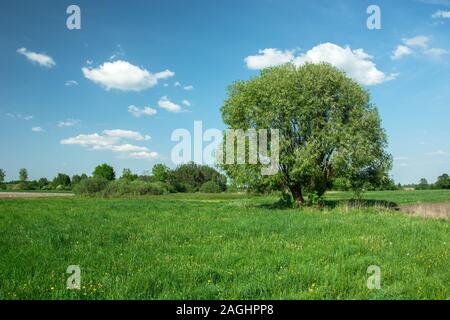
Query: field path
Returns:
{"type": "Point", "coordinates": [33, 194]}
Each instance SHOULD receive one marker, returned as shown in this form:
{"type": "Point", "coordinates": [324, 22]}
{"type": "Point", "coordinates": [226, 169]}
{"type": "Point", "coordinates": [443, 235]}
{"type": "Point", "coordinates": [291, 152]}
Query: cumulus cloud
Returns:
{"type": "Point", "coordinates": [138, 112]}
{"type": "Point", "coordinates": [177, 84]}
{"type": "Point", "coordinates": [186, 102]}
{"type": "Point", "coordinates": [188, 88]}
{"type": "Point", "coordinates": [356, 63]}
{"type": "Point", "coordinates": [37, 129]}
{"type": "Point", "coordinates": [400, 52]}
{"type": "Point", "coordinates": [269, 57]}
{"type": "Point", "coordinates": [441, 14]}
{"type": "Point", "coordinates": [42, 59]}
{"type": "Point", "coordinates": [112, 140]}
{"type": "Point", "coordinates": [122, 75]}
{"type": "Point", "coordinates": [68, 123]}
{"type": "Point", "coordinates": [168, 105]}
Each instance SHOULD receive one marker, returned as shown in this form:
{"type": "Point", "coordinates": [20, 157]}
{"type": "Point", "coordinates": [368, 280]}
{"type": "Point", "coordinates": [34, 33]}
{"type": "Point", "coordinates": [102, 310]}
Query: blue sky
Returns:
{"type": "Point", "coordinates": [66, 94]}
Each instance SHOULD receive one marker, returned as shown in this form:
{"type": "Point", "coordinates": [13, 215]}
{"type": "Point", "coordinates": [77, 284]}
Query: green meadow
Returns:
{"type": "Point", "coordinates": [225, 246]}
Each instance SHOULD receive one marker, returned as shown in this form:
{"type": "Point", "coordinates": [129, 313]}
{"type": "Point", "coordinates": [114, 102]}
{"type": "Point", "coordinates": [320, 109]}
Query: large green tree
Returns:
{"type": "Point", "coordinates": [328, 129]}
{"type": "Point", "coordinates": [104, 171]}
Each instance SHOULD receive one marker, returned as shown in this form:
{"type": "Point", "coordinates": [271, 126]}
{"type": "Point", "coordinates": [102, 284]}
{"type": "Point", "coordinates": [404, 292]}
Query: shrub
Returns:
{"type": "Point", "coordinates": [90, 186]}
{"type": "Point", "coordinates": [124, 187]}
{"type": "Point", "coordinates": [210, 187]}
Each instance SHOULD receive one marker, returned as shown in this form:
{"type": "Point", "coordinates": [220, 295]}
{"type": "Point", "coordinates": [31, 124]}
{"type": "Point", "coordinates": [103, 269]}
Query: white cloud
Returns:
{"type": "Point", "coordinates": [143, 155]}
{"type": "Point", "coordinates": [188, 88]}
{"type": "Point", "coordinates": [37, 129]}
{"type": "Point", "coordinates": [93, 140]}
{"type": "Point", "coordinates": [122, 75]}
{"type": "Point", "coordinates": [124, 148]}
{"type": "Point", "coordinates": [168, 105]}
{"type": "Point", "coordinates": [419, 41]}
{"type": "Point", "coordinates": [441, 14]}
{"type": "Point", "coordinates": [356, 63]}
{"type": "Point", "coordinates": [186, 103]}
{"type": "Point", "coordinates": [400, 52]}
{"type": "Point", "coordinates": [126, 134]}
{"type": "Point", "coordinates": [177, 84]}
{"type": "Point", "coordinates": [111, 140]}
{"type": "Point", "coordinates": [137, 112]}
{"type": "Point", "coordinates": [40, 58]}
{"type": "Point", "coordinates": [70, 83]}
{"type": "Point", "coordinates": [68, 123]}
{"type": "Point", "coordinates": [269, 57]}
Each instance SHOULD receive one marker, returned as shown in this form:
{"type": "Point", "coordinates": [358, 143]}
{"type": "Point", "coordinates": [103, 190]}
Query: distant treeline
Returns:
{"type": "Point", "coordinates": [188, 177]}
{"type": "Point", "coordinates": [442, 182]}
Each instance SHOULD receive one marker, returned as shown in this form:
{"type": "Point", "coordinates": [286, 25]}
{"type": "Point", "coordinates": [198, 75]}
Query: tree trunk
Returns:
{"type": "Point", "coordinates": [298, 197]}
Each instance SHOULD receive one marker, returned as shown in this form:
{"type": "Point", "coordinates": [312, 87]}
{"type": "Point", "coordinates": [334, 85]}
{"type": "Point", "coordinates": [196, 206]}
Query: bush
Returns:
{"type": "Point", "coordinates": [90, 186]}
{"type": "Point", "coordinates": [124, 187]}
{"type": "Point", "coordinates": [210, 187]}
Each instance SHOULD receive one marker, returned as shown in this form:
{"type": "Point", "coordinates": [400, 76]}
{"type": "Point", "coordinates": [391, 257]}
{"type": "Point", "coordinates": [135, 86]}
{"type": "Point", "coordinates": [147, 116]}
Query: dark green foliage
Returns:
{"type": "Point", "coordinates": [90, 186]}
{"type": "Point", "coordinates": [443, 182]}
{"type": "Point", "coordinates": [43, 183]}
{"type": "Point", "coordinates": [128, 175]}
{"type": "Point", "coordinates": [210, 187]}
{"type": "Point", "coordinates": [123, 187]}
{"type": "Point", "coordinates": [23, 175]}
{"type": "Point", "coordinates": [191, 176]}
{"type": "Point", "coordinates": [2, 175]}
{"type": "Point", "coordinates": [160, 172]}
{"type": "Point", "coordinates": [62, 180]}
{"type": "Point", "coordinates": [423, 184]}
{"type": "Point", "coordinates": [104, 171]}
{"type": "Point", "coordinates": [76, 179]}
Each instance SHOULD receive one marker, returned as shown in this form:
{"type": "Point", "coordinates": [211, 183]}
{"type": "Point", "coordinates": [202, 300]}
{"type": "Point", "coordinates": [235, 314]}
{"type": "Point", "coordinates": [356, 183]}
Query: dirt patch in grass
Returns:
{"type": "Point", "coordinates": [428, 210]}
{"type": "Point", "coordinates": [33, 194]}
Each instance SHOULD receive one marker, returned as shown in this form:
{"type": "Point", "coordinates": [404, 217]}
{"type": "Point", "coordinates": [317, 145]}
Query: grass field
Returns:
{"type": "Point", "coordinates": [222, 247]}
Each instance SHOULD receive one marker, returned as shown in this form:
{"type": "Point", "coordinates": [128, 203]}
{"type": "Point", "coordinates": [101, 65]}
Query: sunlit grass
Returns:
{"type": "Point", "coordinates": [220, 247]}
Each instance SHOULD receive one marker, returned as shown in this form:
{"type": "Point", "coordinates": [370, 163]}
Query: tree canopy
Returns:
{"type": "Point", "coordinates": [328, 129]}
{"type": "Point", "coordinates": [104, 171]}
